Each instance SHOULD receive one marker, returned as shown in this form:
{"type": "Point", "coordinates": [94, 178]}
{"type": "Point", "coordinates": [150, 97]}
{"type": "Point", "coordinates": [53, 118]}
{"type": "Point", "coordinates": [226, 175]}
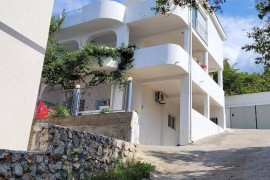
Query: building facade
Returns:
{"type": "Point", "coordinates": [177, 99]}
{"type": "Point", "coordinates": [24, 28]}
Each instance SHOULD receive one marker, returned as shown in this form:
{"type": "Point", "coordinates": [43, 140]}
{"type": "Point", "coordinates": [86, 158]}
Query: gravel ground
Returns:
{"type": "Point", "coordinates": [235, 154]}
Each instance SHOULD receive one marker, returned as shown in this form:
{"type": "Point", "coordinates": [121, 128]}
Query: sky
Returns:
{"type": "Point", "coordinates": [238, 18]}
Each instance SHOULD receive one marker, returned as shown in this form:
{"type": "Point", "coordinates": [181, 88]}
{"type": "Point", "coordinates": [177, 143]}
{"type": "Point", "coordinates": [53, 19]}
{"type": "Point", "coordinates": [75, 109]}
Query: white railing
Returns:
{"type": "Point", "coordinates": [204, 81]}
{"type": "Point", "coordinates": [200, 30]}
{"type": "Point", "coordinates": [71, 13]}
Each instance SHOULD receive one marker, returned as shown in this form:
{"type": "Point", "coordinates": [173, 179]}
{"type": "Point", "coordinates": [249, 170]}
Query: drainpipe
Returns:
{"type": "Point", "coordinates": [190, 72]}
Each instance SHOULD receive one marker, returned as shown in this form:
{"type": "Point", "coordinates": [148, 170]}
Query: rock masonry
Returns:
{"type": "Point", "coordinates": [64, 153]}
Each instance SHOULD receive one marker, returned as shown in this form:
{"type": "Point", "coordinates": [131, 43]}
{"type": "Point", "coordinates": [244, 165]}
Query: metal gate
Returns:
{"type": "Point", "coordinates": [250, 117]}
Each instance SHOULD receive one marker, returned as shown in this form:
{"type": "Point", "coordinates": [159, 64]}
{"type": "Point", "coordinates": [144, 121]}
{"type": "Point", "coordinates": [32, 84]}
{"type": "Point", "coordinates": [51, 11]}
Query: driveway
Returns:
{"type": "Point", "coordinates": [235, 154]}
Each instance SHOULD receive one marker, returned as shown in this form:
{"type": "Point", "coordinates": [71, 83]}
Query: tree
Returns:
{"type": "Point", "coordinates": [164, 6]}
{"type": "Point", "coordinates": [69, 68]}
{"type": "Point", "coordinates": [261, 34]}
{"type": "Point", "coordinates": [235, 82]}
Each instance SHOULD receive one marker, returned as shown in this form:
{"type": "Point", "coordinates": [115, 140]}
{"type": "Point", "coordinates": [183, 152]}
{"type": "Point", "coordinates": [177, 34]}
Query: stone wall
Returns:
{"type": "Point", "coordinates": [64, 153]}
{"type": "Point", "coordinates": [116, 125]}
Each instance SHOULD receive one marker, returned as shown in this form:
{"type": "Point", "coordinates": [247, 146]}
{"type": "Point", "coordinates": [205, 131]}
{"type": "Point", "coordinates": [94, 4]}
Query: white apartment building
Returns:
{"type": "Point", "coordinates": [24, 27]}
{"type": "Point", "coordinates": [171, 60]}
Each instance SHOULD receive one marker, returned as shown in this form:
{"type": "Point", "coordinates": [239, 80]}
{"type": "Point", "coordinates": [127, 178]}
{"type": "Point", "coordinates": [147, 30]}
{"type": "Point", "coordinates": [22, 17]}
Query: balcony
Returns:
{"type": "Point", "coordinates": [159, 61]}
{"type": "Point", "coordinates": [100, 10]}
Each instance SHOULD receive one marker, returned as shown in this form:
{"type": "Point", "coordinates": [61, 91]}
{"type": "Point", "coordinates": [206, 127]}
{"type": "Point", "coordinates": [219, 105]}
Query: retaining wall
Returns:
{"type": "Point", "coordinates": [64, 153]}
{"type": "Point", "coordinates": [116, 125]}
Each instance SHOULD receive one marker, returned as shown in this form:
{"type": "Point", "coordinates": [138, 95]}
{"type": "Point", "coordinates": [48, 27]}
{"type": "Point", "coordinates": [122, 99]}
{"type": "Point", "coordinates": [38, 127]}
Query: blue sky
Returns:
{"type": "Point", "coordinates": [237, 18]}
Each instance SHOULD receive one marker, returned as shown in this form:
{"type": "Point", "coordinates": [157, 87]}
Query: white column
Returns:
{"type": "Point", "coordinates": [205, 60]}
{"type": "Point", "coordinates": [162, 123]}
{"type": "Point", "coordinates": [122, 35]}
{"type": "Point", "coordinates": [222, 118]}
{"type": "Point", "coordinates": [185, 111]}
{"type": "Point", "coordinates": [220, 78]}
{"type": "Point", "coordinates": [186, 39]}
{"type": "Point", "coordinates": [206, 106]}
{"type": "Point", "coordinates": [117, 98]}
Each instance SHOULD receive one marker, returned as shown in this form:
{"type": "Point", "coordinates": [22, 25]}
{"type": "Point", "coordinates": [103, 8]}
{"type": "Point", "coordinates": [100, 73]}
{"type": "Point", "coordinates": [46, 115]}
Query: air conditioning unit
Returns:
{"type": "Point", "coordinates": [160, 97]}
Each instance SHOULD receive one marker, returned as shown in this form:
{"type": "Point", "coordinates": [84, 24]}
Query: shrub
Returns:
{"type": "Point", "coordinates": [61, 111]}
{"type": "Point", "coordinates": [131, 170]}
{"type": "Point", "coordinates": [104, 110]}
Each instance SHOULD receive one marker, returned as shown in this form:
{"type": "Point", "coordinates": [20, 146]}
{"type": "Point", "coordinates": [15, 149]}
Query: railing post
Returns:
{"type": "Point", "coordinates": [129, 94]}
{"type": "Point", "coordinates": [76, 100]}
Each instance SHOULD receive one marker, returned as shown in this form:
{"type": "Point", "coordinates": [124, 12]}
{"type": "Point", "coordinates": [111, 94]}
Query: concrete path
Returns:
{"type": "Point", "coordinates": [235, 154]}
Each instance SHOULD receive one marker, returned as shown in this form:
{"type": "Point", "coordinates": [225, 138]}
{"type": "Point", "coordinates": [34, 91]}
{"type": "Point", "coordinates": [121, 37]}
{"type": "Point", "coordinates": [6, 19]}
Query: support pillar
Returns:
{"type": "Point", "coordinates": [117, 98]}
{"type": "Point", "coordinates": [129, 95]}
{"type": "Point", "coordinates": [206, 106]}
{"type": "Point", "coordinates": [186, 39]}
{"type": "Point", "coordinates": [205, 60]}
{"type": "Point", "coordinates": [122, 35]}
{"type": "Point", "coordinates": [220, 78]}
{"type": "Point", "coordinates": [185, 110]}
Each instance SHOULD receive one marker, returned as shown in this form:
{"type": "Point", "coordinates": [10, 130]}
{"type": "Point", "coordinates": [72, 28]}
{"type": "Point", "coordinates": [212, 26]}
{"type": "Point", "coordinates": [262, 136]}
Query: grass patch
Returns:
{"type": "Point", "coordinates": [130, 170]}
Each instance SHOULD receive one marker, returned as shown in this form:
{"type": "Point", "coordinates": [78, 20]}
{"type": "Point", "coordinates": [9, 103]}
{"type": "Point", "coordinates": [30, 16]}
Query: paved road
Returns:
{"type": "Point", "coordinates": [235, 154]}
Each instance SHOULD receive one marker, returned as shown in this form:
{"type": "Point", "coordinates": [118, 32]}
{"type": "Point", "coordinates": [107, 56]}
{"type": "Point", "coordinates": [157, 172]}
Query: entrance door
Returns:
{"type": "Point", "coordinates": [243, 117]}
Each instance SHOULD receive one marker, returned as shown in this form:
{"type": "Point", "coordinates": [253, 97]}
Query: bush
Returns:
{"type": "Point", "coordinates": [104, 110]}
{"type": "Point", "coordinates": [130, 170]}
{"type": "Point", "coordinates": [61, 111]}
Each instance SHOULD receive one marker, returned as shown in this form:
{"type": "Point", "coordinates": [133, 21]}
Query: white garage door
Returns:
{"type": "Point", "coordinates": [263, 116]}
{"type": "Point", "coordinates": [243, 117]}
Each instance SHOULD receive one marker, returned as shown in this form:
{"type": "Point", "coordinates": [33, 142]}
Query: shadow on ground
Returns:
{"type": "Point", "coordinates": [245, 163]}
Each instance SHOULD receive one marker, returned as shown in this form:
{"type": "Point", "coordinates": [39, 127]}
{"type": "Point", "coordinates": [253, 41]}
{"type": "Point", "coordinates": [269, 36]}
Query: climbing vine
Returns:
{"type": "Point", "coordinates": [85, 65]}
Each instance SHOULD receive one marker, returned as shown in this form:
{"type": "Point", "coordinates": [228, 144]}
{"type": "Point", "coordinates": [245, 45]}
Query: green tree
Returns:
{"type": "Point", "coordinates": [235, 82]}
{"type": "Point", "coordinates": [85, 65]}
{"type": "Point", "coordinates": [261, 34]}
{"type": "Point", "coordinates": [164, 6]}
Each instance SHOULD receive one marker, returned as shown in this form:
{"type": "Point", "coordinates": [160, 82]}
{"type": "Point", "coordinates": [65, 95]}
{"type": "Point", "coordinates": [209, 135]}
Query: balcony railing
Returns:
{"type": "Point", "coordinates": [71, 13]}
{"type": "Point", "coordinates": [200, 29]}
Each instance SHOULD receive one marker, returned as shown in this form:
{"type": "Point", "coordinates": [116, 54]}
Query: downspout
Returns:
{"type": "Point", "coordinates": [190, 73]}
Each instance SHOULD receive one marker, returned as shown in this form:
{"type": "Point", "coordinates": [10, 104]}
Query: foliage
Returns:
{"type": "Point", "coordinates": [235, 82]}
{"type": "Point", "coordinates": [104, 110]}
{"type": "Point", "coordinates": [85, 65]}
{"type": "Point", "coordinates": [261, 34]}
{"type": "Point", "coordinates": [132, 170]}
{"type": "Point", "coordinates": [61, 111]}
{"type": "Point", "coordinates": [164, 6]}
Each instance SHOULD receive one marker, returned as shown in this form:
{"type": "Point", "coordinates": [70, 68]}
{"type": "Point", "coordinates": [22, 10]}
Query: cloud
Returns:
{"type": "Point", "coordinates": [236, 29]}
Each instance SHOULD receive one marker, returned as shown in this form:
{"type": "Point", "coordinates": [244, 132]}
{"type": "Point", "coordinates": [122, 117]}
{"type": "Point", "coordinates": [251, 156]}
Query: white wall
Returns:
{"type": "Point", "coordinates": [248, 99]}
{"type": "Point", "coordinates": [202, 127]}
{"type": "Point", "coordinates": [170, 136]}
{"type": "Point", "coordinates": [150, 118]}
{"type": "Point", "coordinates": [23, 35]}
{"type": "Point", "coordinates": [215, 43]}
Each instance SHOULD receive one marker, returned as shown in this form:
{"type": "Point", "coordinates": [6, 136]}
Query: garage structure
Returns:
{"type": "Point", "coordinates": [248, 111]}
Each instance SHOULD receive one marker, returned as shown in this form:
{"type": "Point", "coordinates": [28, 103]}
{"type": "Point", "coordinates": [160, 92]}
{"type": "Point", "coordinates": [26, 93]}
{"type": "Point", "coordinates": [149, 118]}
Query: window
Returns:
{"type": "Point", "coordinates": [171, 121]}
{"type": "Point", "coordinates": [214, 120]}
